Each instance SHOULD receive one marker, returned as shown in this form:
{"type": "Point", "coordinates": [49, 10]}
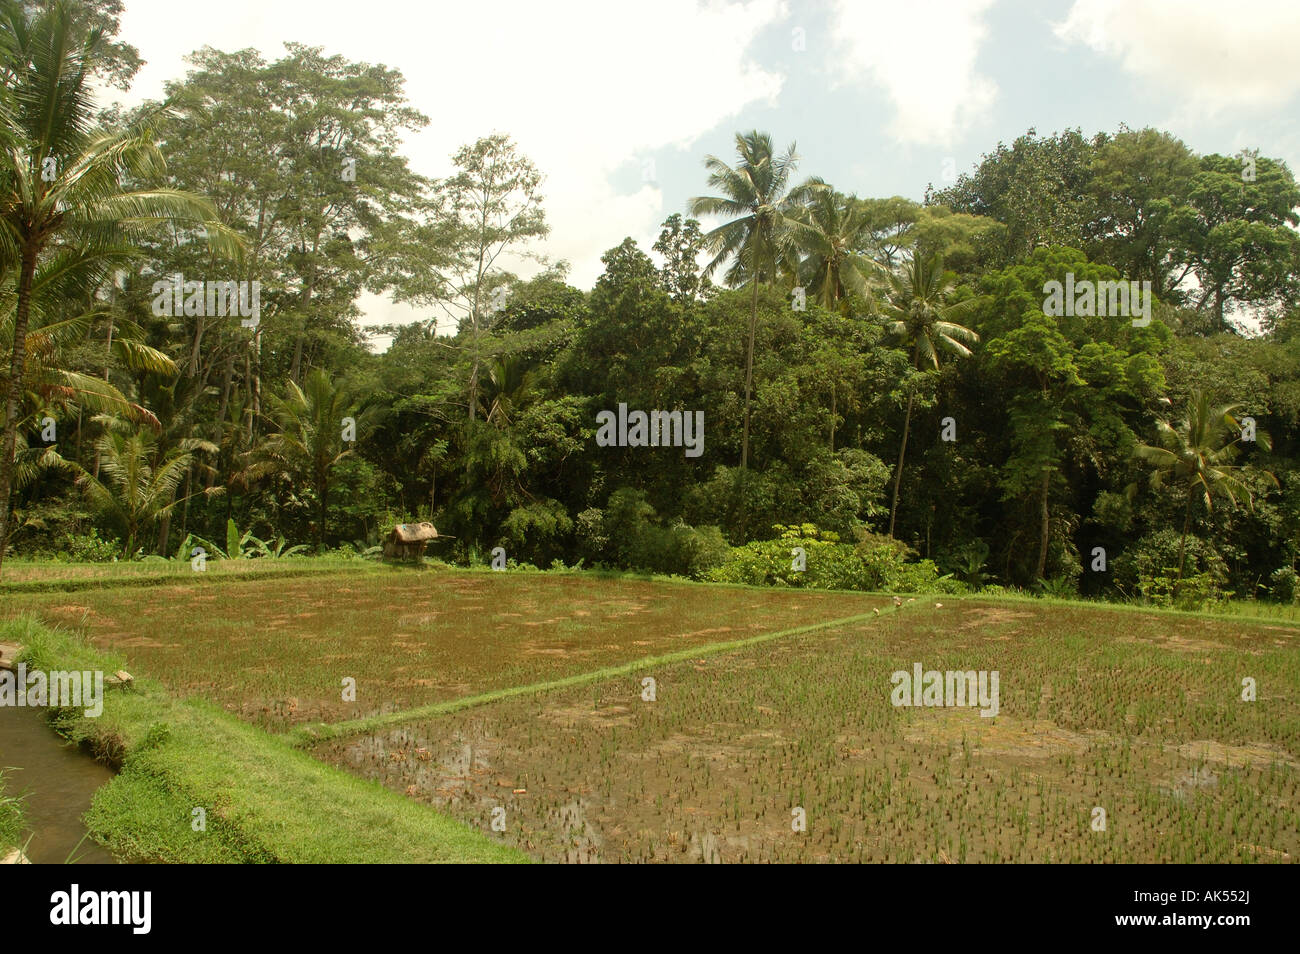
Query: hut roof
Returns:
{"type": "Point", "coordinates": [415, 532]}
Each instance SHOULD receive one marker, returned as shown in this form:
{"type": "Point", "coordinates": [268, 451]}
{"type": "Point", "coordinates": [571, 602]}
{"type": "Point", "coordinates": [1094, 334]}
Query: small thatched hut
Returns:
{"type": "Point", "coordinates": [407, 541]}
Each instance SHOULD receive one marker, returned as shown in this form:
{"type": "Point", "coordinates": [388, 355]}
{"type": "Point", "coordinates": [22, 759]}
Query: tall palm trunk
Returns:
{"type": "Point", "coordinates": [902, 454]}
{"type": "Point", "coordinates": [17, 368]}
{"type": "Point", "coordinates": [749, 372]}
{"type": "Point", "coordinates": [164, 532]}
{"type": "Point", "coordinates": [323, 493]}
{"type": "Point", "coordinates": [1182, 543]}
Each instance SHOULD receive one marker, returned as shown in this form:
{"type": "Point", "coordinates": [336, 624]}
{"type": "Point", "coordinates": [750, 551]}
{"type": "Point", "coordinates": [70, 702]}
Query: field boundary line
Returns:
{"type": "Point", "coordinates": [323, 731]}
{"type": "Point", "coordinates": [1047, 602]}
{"type": "Point", "coordinates": [147, 581]}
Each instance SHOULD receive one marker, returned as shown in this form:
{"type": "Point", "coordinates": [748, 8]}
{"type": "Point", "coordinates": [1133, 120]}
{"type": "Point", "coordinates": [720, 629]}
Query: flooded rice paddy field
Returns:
{"type": "Point", "coordinates": [276, 651]}
{"type": "Point", "coordinates": [1139, 716]}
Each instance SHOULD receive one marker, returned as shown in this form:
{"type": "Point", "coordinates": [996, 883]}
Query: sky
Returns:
{"type": "Point", "coordinates": [618, 103]}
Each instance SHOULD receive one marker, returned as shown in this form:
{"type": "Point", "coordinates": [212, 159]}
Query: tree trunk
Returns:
{"type": "Point", "coordinates": [832, 418]}
{"type": "Point", "coordinates": [323, 491]}
{"type": "Point", "coordinates": [1043, 535]}
{"type": "Point", "coordinates": [164, 531]}
{"type": "Point", "coordinates": [902, 453]}
{"type": "Point", "coordinates": [257, 385]}
{"type": "Point", "coordinates": [749, 371]}
{"type": "Point", "coordinates": [248, 381]}
{"type": "Point", "coordinates": [185, 508]}
{"type": "Point", "coordinates": [193, 367]}
{"type": "Point", "coordinates": [295, 369]}
{"type": "Point", "coordinates": [1182, 544]}
{"type": "Point", "coordinates": [17, 368]}
{"type": "Point", "coordinates": [108, 357]}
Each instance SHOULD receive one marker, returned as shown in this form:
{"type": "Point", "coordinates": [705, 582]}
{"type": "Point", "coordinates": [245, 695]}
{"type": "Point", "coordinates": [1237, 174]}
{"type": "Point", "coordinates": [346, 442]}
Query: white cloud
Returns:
{"type": "Point", "coordinates": [922, 53]}
{"type": "Point", "coordinates": [1216, 56]}
{"type": "Point", "coordinates": [584, 87]}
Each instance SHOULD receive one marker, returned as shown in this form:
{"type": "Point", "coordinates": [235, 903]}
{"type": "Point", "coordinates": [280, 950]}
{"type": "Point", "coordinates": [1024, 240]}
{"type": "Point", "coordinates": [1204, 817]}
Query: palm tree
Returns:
{"type": "Point", "coordinates": [759, 203]}
{"type": "Point", "coordinates": [924, 321]}
{"type": "Point", "coordinates": [831, 231]}
{"type": "Point", "coordinates": [62, 193]}
{"type": "Point", "coordinates": [48, 385]}
{"type": "Point", "coordinates": [310, 441]}
{"type": "Point", "coordinates": [1198, 455]}
{"type": "Point", "coordinates": [509, 387]}
{"type": "Point", "coordinates": [140, 490]}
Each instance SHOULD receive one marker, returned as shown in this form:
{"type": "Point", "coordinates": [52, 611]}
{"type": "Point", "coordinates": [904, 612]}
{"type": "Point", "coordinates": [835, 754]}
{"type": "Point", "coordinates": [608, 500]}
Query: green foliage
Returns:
{"type": "Point", "coordinates": [1285, 585]}
{"type": "Point", "coordinates": [875, 564]}
{"type": "Point", "coordinates": [239, 546]}
{"type": "Point", "coordinates": [11, 814]}
{"type": "Point", "coordinates": [1149, 570]}
{"type": "Point", "coordinates": [89, 547]}
{"type": "Point", "coordinates": [828, 413]}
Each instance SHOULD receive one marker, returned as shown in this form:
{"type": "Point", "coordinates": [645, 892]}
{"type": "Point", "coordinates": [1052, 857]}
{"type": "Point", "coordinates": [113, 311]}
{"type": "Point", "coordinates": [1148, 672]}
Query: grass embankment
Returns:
{"type": "Point", "coordinates": [11, 819]}
{"type": "Point", "coordinates": [32, 576]}
{"type": "Point", "coordinates": [264, 801]}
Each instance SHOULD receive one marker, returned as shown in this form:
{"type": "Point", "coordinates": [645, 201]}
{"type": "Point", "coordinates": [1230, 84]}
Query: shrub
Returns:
{"type": "Point", "coordinates": [1285, 587]}
{"type": "Point", "coordinates": [1149, 570]}
{"type": "Point", "coordinates": [873, 564]}
{"type": "Point", "coordinates": [89, 548]}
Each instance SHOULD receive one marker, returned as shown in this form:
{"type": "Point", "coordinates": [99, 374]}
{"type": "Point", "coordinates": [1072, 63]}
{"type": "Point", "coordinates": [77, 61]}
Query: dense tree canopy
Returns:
{"type": "Point", "coordinates": [867, 367]}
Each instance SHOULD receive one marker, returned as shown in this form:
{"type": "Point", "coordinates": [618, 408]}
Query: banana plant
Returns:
{"type": "Point", "coordinates": [239, 546]}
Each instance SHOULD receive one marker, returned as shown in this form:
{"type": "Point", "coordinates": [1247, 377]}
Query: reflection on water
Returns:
{"type": "Point", "coordinates": [58, 781]}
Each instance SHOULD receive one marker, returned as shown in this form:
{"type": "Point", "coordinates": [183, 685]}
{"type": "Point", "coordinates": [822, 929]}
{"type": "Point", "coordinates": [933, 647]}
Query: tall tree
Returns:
{"type": "Point", "coordinates": [310, 441]}
{"type": "Point", "coordinates": [1236, 234]}
{"type": "Point", "coordinates": [757, 198]}
{"type": "Point", "coordinates": [1038, 188]}
{"type": "Point", "coordinates": [64, 194]}
{"type": "Point", "coordinates": [831, 231]}
{"type": "Point", "coordinates": [490, 208]}
{"type": "Point", "coordinates": [927, 323]}
{"type": "Point", "coordinates": [315, 184]}
{"type": "Point", "coordinates": [680, 243]}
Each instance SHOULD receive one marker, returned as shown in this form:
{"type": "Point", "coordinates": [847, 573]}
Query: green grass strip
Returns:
{"type": "Point", "coordinates": [177, 577]}
{"type": "Point", "coordinates": [1245, 612]}
{"type": "Point", "coordinates": [262, 800]}
{"type": "Point", "coordinates": [321, 731]}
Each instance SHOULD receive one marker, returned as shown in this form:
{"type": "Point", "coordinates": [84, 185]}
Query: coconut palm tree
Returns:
{"type": "Point", "coordinates": [924, 320]}
{"type": "Point", "coordinates": [49, 386]}
{"type": "Point", "coordinates": [1196, 456]}
{"type": "Point", "coordinates": [137, 485]}
{"type": "Point", "coordinates": [830, 231]}
{"type": "Point", "coordinates": [63, 192]}
{"type": "Point", "coordinates": [310, 441]}
{"type": "Point", "coordinates": [509, 387]}
{"type": "Point", "coordinates": [757, 199]}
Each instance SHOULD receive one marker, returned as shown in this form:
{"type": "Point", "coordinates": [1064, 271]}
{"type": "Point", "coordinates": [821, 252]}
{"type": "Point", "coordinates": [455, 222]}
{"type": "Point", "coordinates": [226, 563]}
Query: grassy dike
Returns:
{"type": "Point", "coordinates": [11, 820]}
{"type": "Point", "coordinates": [264, 800]}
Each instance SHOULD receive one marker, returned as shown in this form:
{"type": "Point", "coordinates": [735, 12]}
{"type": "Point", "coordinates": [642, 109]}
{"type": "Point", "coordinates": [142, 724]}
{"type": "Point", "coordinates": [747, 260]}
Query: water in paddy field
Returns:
{"type": "Point", "coordinates": [58, 781]}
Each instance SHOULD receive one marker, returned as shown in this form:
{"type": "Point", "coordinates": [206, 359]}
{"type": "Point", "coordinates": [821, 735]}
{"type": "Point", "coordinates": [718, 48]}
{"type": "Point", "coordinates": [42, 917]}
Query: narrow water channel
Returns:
{"type": "Point", "coordinates": [59, 781]}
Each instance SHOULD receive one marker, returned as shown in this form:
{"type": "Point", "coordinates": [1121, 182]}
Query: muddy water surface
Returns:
{"type": "Point", "coordinates": [58, 780]}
